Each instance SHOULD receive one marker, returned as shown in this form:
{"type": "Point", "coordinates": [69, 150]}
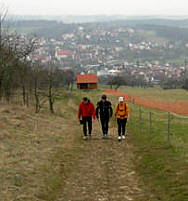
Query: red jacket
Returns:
{"type": "Point", "coordinates": [87, 110]}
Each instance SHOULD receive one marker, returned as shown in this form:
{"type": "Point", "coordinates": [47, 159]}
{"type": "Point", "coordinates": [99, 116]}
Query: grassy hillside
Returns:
{"type": "Point", "coordinates": [33, 148]}
{"type": "Point", "coordinates": [43, 156]}
{"type": "Point", "coordinates": [163, 169]}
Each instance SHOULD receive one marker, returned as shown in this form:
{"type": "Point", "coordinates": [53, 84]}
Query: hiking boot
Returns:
{"type": "Point", "coordinates": [85, 137]}
{"type": "Point", "coordinates": [123, 137]}
{"type": "Point", "coordinates": [106, 136]}
{"type": "Point", "coordinates": [119, 138]}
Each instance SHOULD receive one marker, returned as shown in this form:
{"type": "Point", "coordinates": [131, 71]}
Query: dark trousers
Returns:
{"type": "Point", "coordinates": [104, 123]}
{"type": "Point", "coordinates": [121, 126]}
{"type": "Point", "coordinates": [87, 122]}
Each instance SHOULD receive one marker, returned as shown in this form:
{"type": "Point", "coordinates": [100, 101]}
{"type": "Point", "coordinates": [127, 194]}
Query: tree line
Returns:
{"type": "Point", "coordinates": [19, 76]}
{"type": "Point", "coordinates": [126, 79]}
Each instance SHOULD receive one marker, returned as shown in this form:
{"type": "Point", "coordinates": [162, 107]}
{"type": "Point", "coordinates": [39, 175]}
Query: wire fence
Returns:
{"type": "Point", "coordinates": [179, 107]}
{"type": "Point", "coordinates": [165, 122]}
{"type": "Point", "coordinates": [158, 124]}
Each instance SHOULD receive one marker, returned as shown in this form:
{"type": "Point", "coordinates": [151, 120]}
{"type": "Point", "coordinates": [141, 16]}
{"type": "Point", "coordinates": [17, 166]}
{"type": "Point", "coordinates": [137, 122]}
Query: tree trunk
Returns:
{"type": "Point", "coordinates": [24, 94]}
{"type": "Point", "coordinates": [37, 104]}
{"type": "Point", "coordinates": [7, 93]}
{"type": "Point", "coordinates": [27, 99]}
{"type": "Point", "coordinates": [72, 84]}
{"type": "Point", "coordinates": [51, 101]}
{"type": "Point", "coordinates": [1, 91]}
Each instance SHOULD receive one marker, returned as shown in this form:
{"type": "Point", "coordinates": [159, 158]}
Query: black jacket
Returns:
{"type": "Point", "coordinates": [104, 109]}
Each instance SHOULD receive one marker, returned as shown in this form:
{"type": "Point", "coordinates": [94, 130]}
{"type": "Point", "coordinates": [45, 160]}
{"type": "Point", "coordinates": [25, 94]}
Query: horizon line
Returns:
{"type": "Point", "coordinates": [131, 15]}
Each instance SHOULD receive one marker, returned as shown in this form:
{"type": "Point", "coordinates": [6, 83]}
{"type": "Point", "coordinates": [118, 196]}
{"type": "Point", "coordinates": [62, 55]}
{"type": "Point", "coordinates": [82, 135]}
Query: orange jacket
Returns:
{"type": "Point", "coordinates": [122, 111]}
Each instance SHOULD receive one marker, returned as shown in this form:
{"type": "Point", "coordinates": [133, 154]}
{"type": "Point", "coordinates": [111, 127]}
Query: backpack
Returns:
{"type": "Point", "coordinates": [122, 110]}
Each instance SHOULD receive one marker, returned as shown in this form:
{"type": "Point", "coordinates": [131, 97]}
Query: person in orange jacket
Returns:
{"type": "Point", "coordinates": [122, 115]}
{"type": "Point", "coordinates": [86, 111]}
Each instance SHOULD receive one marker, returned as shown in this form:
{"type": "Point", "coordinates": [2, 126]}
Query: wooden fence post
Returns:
{"type": "Point", "coordinates": [150, 123]}
{"type": "Point", "coordinates": [140, 119]}
{"type": "Point", "coordinates": [168, 138]}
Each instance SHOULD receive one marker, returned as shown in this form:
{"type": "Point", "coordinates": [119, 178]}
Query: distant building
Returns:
{"type": "Point", "coordinates": [42, 59]}
{"type": "Point", "coordinates": [63, 54]}
{"type": "Point", "coordinates": [87, 81]}
{"type": "Point", "coordinates": [102, 73]}
{"type": "Point", "coordinates": [65, 69]}
{"type": "Point", "coordinates": [114, 72]}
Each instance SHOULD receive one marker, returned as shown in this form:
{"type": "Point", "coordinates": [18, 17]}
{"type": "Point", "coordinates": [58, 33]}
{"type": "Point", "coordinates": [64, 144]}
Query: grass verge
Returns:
{"type": "Point", "coordinates": [162, 168]}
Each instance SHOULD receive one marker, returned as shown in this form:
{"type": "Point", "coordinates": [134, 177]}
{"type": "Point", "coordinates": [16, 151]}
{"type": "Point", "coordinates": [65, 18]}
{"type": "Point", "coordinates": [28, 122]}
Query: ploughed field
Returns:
{"type": "Point", "coordinates": [160, 103]}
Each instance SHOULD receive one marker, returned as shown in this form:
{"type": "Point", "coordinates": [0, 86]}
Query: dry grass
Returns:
{"type": "Point", "coordinates": [28, 144]}
{"type": "Point", "coordinates": [40, 155]}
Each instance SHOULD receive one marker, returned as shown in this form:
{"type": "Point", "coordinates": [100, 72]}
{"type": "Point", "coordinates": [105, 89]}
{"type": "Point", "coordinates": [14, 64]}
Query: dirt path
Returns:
{"type": "Point", "coordinates": [104, 172]}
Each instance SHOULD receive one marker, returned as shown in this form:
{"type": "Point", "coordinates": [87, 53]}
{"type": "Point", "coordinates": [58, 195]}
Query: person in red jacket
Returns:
{"type": "Point", "coordinates": [87, 112]}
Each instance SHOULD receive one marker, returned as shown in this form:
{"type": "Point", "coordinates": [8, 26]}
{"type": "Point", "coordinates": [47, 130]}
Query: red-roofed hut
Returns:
{"type": "Point", "coordinates": [87, 81]}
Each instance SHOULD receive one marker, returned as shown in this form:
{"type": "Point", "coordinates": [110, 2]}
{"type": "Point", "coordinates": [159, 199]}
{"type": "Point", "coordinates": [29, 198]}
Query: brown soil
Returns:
{"type": "Point", "coordinates": [179, 107]}
{"type": "Point", "coordinates": [104, 172]}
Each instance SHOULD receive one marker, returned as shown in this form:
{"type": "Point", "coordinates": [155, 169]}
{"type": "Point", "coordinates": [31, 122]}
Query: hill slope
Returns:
{"type": "Point", "coordinates": [43, 157]}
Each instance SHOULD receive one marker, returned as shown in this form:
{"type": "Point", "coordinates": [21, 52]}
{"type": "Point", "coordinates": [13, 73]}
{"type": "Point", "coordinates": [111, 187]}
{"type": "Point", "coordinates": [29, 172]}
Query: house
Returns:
{"type": "Point", "coordinates": [87, 81]}
{"type": "Point", "coordinates": [63, 54]}
{"type": "Point", "coordinates": [42, 59]}
{"type": "Point", "coordinates": [102, 73]}
{"type": "Point", "coordinates": [114, 72]}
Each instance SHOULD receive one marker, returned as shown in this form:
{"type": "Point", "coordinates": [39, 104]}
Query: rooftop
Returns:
{"type": "Point", "coordinates": [92, 78]}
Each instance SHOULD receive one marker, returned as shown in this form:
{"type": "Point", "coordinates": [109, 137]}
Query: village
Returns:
{"type": "Point", "coordinates": [108, 52]}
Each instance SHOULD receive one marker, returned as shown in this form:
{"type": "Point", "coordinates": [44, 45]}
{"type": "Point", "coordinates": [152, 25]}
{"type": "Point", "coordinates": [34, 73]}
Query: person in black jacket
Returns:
{"type": "Point", "coordinates": [104, 110]}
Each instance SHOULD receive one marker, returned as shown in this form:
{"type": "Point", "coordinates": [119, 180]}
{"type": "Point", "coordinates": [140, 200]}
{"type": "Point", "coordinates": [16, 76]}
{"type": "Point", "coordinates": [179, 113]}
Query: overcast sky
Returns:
{"type": "Point", "coordinates": [95, 7]}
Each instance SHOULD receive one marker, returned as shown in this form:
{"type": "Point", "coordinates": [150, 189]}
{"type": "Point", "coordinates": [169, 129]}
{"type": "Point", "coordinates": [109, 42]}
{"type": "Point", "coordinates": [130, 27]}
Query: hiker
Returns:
{"type": "Point", "coordinates": [122, 115]}
{"type": "Point", "coordinates": [87, 112]}
{"type": "Point", "coordinates": [104, 110]}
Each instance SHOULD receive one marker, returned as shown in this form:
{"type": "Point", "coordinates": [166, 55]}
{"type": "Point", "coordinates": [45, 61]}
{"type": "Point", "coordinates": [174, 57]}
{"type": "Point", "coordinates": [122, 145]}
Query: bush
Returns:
{"type": "Point", "coordinates": [185, 85]}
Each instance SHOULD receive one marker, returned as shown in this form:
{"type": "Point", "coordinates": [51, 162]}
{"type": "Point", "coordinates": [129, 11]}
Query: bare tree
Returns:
{"type": "Point", "coordinates": [39, 79]}
{"type": "Point", "coordinates": [14, 50]}
{"type": "Point", "coordinates": [68, 79]}
{"type": "Point", "coordinates": [116, 81]}
{"type": "Point", "coordinates": [50, 89]}
{"type": "Point", "coordinates": [3, 14]}
{"type": "Point", "coordinates": [23, 47]}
